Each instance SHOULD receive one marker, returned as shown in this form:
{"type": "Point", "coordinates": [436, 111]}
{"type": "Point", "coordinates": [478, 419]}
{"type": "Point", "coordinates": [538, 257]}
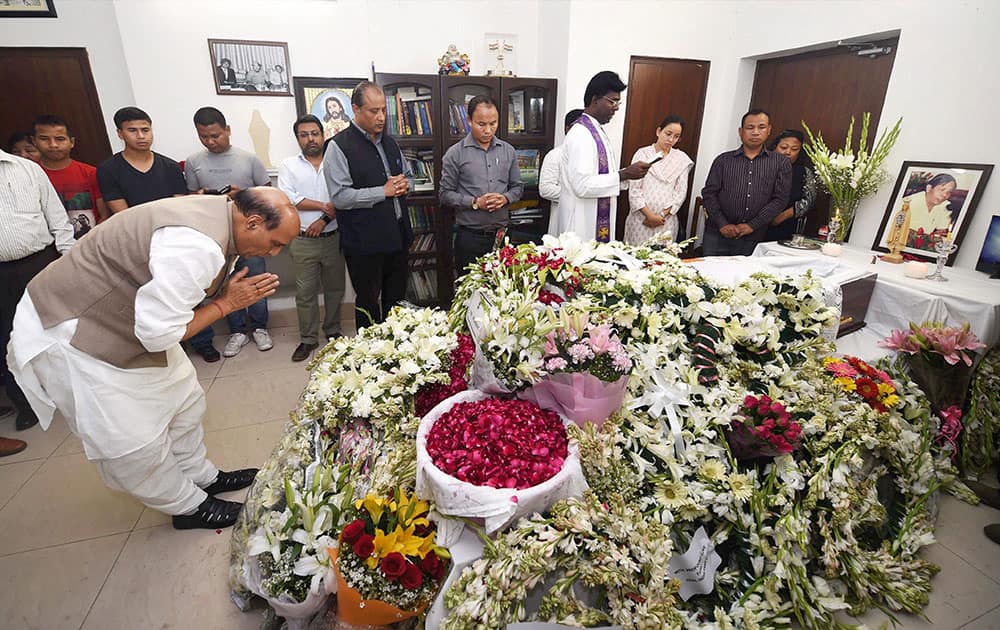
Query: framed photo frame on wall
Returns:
{"type": "Point", "coordinates": [933, 198]}
{"type": "Point", "coordinates": [327, 99]}
{"type": "Point", "coordinates": [250, 68]}
{"type": "Point", "coordinates": [28, 8]}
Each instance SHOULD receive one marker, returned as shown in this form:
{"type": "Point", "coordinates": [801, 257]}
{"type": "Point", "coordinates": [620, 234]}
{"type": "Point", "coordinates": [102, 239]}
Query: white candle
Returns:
{"type": "Point", "coordinates": [831, 249]}
{"type": "Point", "coordinates": [915, 269]}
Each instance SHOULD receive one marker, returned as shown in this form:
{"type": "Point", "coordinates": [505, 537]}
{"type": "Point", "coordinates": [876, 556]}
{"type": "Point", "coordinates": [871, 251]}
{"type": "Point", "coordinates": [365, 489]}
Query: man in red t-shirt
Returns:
{"type": "Point", "coordinates": [75, 182]}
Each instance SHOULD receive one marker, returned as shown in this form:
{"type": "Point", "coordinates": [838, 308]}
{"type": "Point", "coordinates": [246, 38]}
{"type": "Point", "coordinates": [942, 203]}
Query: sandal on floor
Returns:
{"type": "Point", "coordinates": [232, 480]}
{"type": "Point", "coordinates": [211, 514]}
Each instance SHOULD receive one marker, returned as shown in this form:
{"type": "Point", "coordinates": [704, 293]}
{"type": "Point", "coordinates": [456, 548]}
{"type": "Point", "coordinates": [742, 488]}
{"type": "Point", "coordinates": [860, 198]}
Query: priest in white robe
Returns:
{"type": "Point", "coordinates": [96, 336]}
{"type": "Point", "coordinates": [590, 180]}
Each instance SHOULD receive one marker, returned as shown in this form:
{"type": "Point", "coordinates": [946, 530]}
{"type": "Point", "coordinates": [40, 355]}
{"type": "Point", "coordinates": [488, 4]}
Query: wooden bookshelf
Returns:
{"type": "Point", "coordinates": [439, 103]}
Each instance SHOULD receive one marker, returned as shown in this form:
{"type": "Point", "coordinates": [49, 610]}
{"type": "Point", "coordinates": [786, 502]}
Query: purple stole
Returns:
{"type": "Point", "coordinates": [603, 228]}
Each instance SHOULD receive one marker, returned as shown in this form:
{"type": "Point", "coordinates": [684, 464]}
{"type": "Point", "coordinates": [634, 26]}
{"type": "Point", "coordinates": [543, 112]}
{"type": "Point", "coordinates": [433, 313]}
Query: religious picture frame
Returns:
{"type": "Point", "coordinates": [250, 68]}
{"type": "Point", "coordinates": [28, 8]}
{"type": "Point", "coordinates": [327, 99]}
{"type": "Point", "coordinates": [933, 201]}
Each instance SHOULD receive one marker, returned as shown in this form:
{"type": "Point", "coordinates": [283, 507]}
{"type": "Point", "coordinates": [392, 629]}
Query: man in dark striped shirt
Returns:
{"type": "Point", "coordinates": [745, 189]}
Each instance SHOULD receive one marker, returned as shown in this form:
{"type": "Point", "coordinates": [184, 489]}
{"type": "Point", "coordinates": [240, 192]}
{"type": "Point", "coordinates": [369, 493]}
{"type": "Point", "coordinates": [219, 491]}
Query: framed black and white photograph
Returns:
{"type": "Point", "coordinates": [27, 8]}
{"type": "Point", "coordinates": [327, 99]}
{"type": "Point", "coordinates": [250, 68]}
{"type": "Point", "coordinates": [933, 201]}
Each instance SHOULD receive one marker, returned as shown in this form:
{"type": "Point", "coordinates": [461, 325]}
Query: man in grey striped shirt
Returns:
{"type": "Point", "coordinates": [34, 231]}
{"type": "Point", "coordinates": [479, 178]}
{"type": "Point", "coordinates": [745, 190]}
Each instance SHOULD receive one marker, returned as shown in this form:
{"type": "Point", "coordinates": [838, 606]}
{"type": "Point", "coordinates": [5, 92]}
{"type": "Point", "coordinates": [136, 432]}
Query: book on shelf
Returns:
{"type": "Point", "coordinates": [423, 284]}
{"type": "Point", "coordinates": [423, 244]}
{"type": "Point", "coordinates": [421, 164]}
{"type": "Point", "coordinates": [515, 114]}
{"type": "Point", "coordinates": [409, 112]}
{"type": "Point", "coordinates": [422, 217]}
{"type": "Point", "coordinates": [527, 163]}
{"type": "Point", "coordinates": [536, 121]}
{"type": "Point", "coordinates": [459, 118]}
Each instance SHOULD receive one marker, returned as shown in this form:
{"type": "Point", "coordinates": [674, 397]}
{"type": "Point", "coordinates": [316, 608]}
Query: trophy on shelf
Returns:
{"type": "Point", "coordinates": [898, 234]}
{"type": "Point", "coordinates": [502, 48]}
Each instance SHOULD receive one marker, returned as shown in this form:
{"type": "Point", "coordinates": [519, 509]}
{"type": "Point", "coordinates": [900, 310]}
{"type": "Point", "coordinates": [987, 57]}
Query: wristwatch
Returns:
{"type": "Point", "coordinates": [326, 219]}
{"type": "Point", "coordinates": [475, 203]}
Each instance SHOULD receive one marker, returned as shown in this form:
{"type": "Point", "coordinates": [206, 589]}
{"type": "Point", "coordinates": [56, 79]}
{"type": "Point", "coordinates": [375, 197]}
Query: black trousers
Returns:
{"type": "Point", "coordinates": [14, 278]}
{"type": "Point", "coordinates": [379, 282]}
{"type": "Point", "coordinates": [470, 244]}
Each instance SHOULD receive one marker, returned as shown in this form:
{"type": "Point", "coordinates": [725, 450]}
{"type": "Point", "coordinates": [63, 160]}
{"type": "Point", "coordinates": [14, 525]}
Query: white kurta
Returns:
{"type": "Point", "coordinates": [581, 185]}
{"type": "Point", "coordinates": [117, 411]}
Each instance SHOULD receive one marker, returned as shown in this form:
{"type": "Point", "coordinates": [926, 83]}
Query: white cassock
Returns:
{"type": "Point", "coordinates": [141, 427]}
{"type": "Point", "coordinates": [581, 185]}
{"type": "Point", "coordinates": [548, 182]}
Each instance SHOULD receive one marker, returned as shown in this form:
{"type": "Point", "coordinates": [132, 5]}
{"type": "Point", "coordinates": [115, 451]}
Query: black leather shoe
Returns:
{"type": "Point", "coordinates": [988, 495]}
{"type": "Point", "coordinates": [26, 419]}
{"type": "Point", "coordinates": [6, 412]}
{"type": "Point", "coordinates": [303, 351]}
{"type": "Point", "coordinates": [211, 514]}
{"type": "Point", "coordinates": [232, 480]}
{"type": "Point", "coordinates": [209, 353]}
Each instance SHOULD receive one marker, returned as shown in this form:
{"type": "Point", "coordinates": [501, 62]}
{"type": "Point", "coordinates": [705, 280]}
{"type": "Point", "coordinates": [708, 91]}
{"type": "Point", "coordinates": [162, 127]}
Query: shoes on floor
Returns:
{"type": "Point", "coordinates": [235, 344]}
{"type": "Point", "coordinates": [303, 351]}
{"type": "Point", "coordinates": [232, 480]}
{"type": "Point", "coordinates": [26, 419]}
{"type": "Point", "coordinates": [993, 532]}
{"type": "Point", "coordinates": [211, 514]}
{"type": "Point", "coordinates": [988, 495]}
{"type": "Point", "coordinates": [9, 446]}
{"type": "Point", "coordinates": [6, 412]}
{"type": "Point", "coordinates": [263, 339]}
{"type": "Point", "coordinates": [209, 353]}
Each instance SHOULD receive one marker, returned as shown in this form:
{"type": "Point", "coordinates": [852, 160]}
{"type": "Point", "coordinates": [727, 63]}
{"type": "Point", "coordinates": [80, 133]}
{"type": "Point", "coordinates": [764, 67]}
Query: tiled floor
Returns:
{"type": "Point", "coordinates": [74, 554]}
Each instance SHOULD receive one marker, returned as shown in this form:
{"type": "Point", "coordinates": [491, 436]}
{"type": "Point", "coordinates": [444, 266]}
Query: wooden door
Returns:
{"type": "Point", "coordinates": [658, 88]}
{"type": "Point", "coordinates": [824, 88]}
{"type": "Point", "coordinates": [53, 81]}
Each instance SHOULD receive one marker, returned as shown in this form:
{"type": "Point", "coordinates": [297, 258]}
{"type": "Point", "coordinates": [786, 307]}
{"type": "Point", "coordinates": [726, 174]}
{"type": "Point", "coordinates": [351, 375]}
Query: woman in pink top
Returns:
{"type": "Point", "coordinates": [655, 199]}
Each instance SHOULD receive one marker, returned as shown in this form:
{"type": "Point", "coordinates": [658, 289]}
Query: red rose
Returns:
{"type": "Point", "coordinates": [412, 578]}
{"type": "Point", "coordinates": [432, 566]}
{"type": "Point", "coordinates": [364, 546]}
{"type": "Point", "coordinates": [352, 531]}
{"type": "Point", "coordinates": [393, 566]}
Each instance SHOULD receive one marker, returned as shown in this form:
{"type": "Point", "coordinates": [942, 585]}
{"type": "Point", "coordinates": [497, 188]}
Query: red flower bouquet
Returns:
{"type": "Point", "coordinates": [388, 565]}
{"type": "Point", "coordinates": [763, 428]}
{"type": "Point", "coordinates": [493, 459]}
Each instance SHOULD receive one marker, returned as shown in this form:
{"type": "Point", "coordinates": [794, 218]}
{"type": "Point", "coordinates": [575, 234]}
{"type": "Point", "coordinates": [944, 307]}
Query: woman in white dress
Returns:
{"type": "Point", "coordinates": [655, 199]}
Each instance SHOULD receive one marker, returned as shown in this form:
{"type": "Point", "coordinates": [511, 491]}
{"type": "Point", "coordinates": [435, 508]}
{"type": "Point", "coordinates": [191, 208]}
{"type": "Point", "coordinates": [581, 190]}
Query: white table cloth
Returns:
{"type": "Point", "coordinates": [968, 296]}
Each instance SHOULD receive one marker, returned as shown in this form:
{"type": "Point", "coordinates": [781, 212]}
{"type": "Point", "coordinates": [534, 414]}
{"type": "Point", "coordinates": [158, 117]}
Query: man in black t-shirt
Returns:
{"type": "Point", "coordinates": [137, 175]}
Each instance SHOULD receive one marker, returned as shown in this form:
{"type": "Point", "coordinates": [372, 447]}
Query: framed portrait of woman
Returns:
{"type": "Point", "coordinates": [327, 99]}
{"type": "Point", "coordinates": [933, 201]}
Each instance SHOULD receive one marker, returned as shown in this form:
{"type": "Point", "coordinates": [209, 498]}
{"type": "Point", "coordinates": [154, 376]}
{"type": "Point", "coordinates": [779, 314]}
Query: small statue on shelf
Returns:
{"type": "Point", "coordinates": [899, 232]}
{"type": "Point", "coordinates": [501, 48]}
{"type": "Point", "coordinates": [453, 62]}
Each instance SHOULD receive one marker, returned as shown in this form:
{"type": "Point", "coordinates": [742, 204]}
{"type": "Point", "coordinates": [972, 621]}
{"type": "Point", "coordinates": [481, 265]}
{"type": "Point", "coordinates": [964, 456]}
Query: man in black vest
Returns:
{"type": "Point", "coordinates": [368, 181]}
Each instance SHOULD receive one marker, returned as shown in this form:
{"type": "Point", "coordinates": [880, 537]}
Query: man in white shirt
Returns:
{"type": "Point", "coordinates": [106, 353]}
{"type": "Point", "coordinates": [548, 177]}
{"type": "Point", "coordinates": [316, 251]}
{"type": "Point", "coordinates": [590, 182]}
{"type": "Point", "coordinates": [34, 231]}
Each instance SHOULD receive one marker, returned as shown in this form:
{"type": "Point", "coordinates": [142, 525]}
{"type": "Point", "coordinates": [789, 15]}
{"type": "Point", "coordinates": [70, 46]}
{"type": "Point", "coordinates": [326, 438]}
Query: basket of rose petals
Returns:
{"type": "Point", "coordinates": [495, 459]}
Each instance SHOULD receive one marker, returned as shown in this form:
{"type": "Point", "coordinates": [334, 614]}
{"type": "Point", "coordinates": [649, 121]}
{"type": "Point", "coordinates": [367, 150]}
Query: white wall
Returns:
{"type": "Point", "coordinates": [90, 24]}
{"type": "Point", "coordinates": [154, 54]}
{"type": "Point", "coordinates": [944, 79]}
{"type": "Point", "coordinates": [325, 39]}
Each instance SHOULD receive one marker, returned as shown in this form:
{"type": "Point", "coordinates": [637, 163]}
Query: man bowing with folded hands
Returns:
{"type": "Point", "coordinates": [105, 350]}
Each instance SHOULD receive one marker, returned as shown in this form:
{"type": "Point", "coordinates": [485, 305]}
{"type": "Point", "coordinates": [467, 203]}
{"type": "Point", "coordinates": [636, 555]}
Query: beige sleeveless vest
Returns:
{"type": "Point", "coordinates": [96, 281]}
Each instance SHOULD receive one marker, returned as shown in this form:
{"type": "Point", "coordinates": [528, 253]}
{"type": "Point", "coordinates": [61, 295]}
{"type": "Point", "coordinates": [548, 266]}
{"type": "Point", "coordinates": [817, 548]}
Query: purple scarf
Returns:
{"type": "Point", "coordinates": [603, 228]}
